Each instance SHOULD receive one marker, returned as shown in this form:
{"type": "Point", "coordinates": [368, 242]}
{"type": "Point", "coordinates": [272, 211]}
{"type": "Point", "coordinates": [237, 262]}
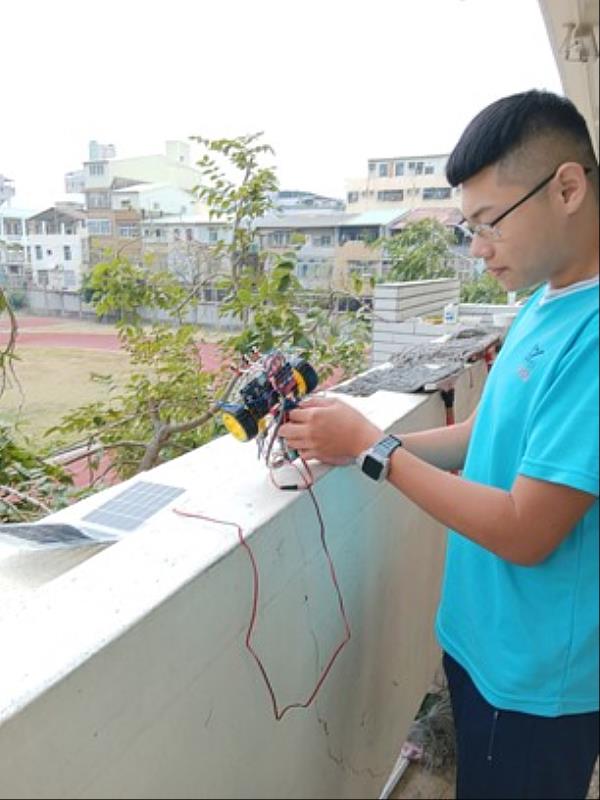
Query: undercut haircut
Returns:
{"type": "Point", "coordinates": [523, 133]}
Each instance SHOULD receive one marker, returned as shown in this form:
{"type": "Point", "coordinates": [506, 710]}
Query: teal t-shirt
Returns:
{"type": "Point", "coordinates": [528, 636]}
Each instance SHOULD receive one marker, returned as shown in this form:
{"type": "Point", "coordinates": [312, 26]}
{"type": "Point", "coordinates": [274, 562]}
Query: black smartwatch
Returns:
{"type": "Point", "coordinates": [375, 462]}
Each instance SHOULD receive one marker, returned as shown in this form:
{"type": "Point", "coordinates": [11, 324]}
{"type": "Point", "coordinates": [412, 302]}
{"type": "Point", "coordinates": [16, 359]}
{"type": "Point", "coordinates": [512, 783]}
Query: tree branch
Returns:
{"type": "Point", "coordinates": [28, 498]}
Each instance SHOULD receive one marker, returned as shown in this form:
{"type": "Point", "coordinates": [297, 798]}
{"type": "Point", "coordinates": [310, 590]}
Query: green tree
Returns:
{"type": "Point", "coordinates": [483, 289]}
{"type": "Point", "coordinates": [420, 251]}
{"type": "Point", "coordinates": [170, 403]}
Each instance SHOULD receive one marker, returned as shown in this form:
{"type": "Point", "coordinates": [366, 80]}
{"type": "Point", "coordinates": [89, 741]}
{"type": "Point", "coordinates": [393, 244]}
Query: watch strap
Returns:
{"type": "Point", "coordinates": [387, 445]}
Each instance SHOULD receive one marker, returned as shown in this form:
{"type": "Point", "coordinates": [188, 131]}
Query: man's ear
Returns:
{"type": "Point", "coordinates": [572, 186]}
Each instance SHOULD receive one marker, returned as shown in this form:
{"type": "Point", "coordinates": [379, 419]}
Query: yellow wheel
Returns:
{"type": "Point", "coordinates": [307, 379]}
{"type": "Point", "coordinates": [239, 422]}
{"type": "Point", "coordinates": [300, 382]}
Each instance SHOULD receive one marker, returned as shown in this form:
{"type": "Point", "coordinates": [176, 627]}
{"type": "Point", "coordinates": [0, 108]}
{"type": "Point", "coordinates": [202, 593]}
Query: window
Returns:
{"type": "Point", "coordinates": [372, 166]}
{"type": "Point", "coordinates": [96, 168]}
{"type": "Point", "coordinates": [279, 238]}
{"type": "Point", "coordinates": [213, 235]}
{"type": "Point", "coordinates": [189, 235]}
{"type": "Point", "coordinates": [128, 231]}
{"type": "Point", "coordinates": [391, 196]}
{"type": "Point", "coordinates": [383, 170]}
{"type": "Point", "coordinates": [399, 169]}
{"type": "Point", "coordinates": [176, 234]}
{"type": "Point", "coordinates": [28, 250]}
{"type": "Point", "coordinates": [363, 269]}
{"type": "Point", "coordinates": [419, 168]}
{"type": "Point", "coordinates": [69, 279]}
{"type": "Point", "coordinates": [38, 252]}
{"type": "Point", "coordinates": [437, 193]}
{"type": "Point", "coordinates": [48, 252]}
{"type": "Point", "coordinates": [67, 253]}
{"type": "Point", "coordinates": [352, 197]}
{"type": "Point", "coordinates": [98, 200]}
{"type": "Point", "coordinates": [429, 170]}
{"type": "Point", "coordinates": [99, 227]}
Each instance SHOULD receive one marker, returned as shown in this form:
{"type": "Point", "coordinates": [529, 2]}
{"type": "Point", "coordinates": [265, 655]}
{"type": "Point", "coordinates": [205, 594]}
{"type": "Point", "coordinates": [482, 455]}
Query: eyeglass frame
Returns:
{"type": "Point", "coordinates": [488, 230]}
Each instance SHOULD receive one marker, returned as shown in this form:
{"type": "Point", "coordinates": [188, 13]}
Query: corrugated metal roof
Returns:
{"type": "Point", "coordinates": [377, 217]}
{"type": "Point", "coordinates": [447, 216]}
{"type": "Point", "coordinates": [59, 211]}
{"type": "Point", "coordinates": [324, 220]}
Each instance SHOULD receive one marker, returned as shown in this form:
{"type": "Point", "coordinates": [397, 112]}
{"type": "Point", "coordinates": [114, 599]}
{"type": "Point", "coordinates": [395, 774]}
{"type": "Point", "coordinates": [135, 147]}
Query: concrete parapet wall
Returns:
{"type": "Point", "coordinates": [125, 672]}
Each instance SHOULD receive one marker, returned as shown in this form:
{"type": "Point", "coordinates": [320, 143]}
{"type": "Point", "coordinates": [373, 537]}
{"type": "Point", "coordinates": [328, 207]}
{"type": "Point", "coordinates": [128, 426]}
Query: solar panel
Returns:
{"type": "Point", "coordinates": [45, 534]}
{"type": "Point", "coordinates": [128, 510]}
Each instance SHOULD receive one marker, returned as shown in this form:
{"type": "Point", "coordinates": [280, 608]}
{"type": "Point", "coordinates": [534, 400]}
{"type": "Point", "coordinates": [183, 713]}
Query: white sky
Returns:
{"type": "Point", "coordinates": [330, 82]}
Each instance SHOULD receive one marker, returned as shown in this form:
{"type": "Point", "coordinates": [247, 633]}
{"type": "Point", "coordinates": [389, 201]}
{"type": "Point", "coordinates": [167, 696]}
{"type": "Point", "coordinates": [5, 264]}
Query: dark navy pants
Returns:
{"type": "Point", "coordinates": [507, 754]}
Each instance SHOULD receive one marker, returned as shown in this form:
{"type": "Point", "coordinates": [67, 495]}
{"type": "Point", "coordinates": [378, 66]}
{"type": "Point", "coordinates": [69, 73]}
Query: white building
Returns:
{"type": "Point", "coordinates": [185, 244]}
{"type": "Point", "coordinates": [172, 167]}
{"type": "Point", "coordinates": [153, 199]}
{"type": "Point", "coordinates": [57, 247]}
{"type": "Point", "coordinates": [13, 245]}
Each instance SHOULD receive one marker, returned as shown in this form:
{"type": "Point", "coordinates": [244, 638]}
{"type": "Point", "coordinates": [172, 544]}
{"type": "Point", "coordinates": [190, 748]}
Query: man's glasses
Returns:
{"type": "Point", "coordinates": [490, 230]}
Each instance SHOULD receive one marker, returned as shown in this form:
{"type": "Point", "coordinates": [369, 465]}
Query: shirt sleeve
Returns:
{"type": "Point", "coordinates": [562, 440]}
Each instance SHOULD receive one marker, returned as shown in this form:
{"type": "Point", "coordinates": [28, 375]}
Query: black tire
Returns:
{"type": "Point", "coordinates": [308, 375]}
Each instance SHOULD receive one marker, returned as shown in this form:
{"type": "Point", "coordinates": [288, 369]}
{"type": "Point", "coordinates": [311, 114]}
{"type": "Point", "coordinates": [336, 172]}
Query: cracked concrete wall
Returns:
{"type": "Point", "coordinates": [126, 675]}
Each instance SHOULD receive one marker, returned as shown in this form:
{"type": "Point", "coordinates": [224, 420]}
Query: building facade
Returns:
{"type": "Point", "coordinates": [407, 181]}
{"type": "Point", "coordinates": [123, 194]}
{"type": "Point", "coordinates": [13, 246]}
{"type": "Point", "coordinates": [57, 248]}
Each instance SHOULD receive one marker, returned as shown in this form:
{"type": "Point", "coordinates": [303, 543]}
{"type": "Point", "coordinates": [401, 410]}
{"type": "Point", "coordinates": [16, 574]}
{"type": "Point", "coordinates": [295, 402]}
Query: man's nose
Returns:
{"type": "Point", "coordinates": [481, 247]}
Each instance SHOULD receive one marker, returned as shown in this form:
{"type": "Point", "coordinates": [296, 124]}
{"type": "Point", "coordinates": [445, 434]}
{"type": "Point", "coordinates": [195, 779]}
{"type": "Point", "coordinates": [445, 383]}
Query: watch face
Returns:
{"type": "Point", "coordinates": [372, 467]}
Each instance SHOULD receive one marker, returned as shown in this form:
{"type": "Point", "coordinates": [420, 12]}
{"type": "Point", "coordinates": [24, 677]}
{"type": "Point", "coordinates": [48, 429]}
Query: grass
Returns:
{"type": "Point", "coordinates": [54, 381]}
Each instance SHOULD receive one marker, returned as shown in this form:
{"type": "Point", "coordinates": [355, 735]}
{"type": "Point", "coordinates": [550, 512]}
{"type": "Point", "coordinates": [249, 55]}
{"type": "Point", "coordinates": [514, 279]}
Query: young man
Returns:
{"type": "Point", "coordinates": [518, 617]}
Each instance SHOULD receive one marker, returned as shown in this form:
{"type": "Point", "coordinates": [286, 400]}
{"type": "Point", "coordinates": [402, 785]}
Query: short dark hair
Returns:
{"type": "Point", "coordinates": [507, 124]}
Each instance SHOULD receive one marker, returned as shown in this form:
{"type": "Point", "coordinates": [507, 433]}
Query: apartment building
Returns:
{"type": "Point", "coordinates": [330, 247]}
{"type": "Point", "coordinates": [407, 181]}
{"type": "Point", "coordinates": [186, 245]}
{"type": "Point", "coordinates": [57, 247]}
{"type": "Point", "coordinates": [13, 246]}
{"type": "Point", "coordinates": [122, 192]}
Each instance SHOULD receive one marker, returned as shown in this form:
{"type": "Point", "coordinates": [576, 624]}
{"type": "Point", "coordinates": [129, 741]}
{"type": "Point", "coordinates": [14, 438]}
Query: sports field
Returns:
{"type": "Point", "coordinates": [55, 360]}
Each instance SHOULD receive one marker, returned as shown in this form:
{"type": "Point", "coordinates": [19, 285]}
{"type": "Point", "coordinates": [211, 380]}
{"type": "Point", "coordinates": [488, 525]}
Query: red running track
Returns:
{"type": "Point", "coordinates": [209, 353]}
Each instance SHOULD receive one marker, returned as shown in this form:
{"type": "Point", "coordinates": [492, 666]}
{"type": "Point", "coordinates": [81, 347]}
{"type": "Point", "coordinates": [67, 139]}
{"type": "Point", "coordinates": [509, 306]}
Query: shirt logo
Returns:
{"type": "Point", "coordinates": [529, 362]}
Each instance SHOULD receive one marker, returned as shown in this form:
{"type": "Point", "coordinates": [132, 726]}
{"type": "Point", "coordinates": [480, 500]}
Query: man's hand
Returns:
{"type": "Point", "coordinates": [329, 430]}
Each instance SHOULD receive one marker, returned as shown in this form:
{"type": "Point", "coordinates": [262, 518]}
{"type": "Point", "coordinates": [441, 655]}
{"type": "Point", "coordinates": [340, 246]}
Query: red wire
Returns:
{"type": "Point", "coordinates": [279, 713]}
